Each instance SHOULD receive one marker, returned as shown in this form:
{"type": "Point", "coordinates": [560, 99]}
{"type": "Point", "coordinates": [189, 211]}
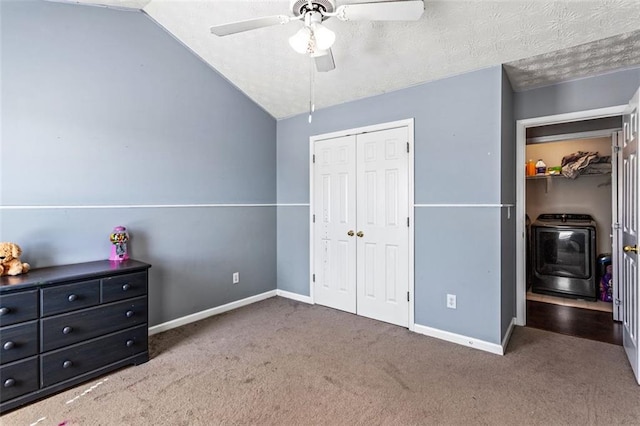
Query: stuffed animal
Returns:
{"type": "Point", "coordinates": [10, 260]}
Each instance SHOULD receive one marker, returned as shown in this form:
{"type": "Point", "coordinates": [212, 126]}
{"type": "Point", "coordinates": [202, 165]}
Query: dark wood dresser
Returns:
{"type": "Point", "coordinates": [63, 325]}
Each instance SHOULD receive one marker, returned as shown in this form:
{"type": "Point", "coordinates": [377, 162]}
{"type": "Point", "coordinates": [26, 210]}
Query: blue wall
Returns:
{"type": "Point", "coordinates": [615, 88]}
{"type": "Point", "coordinates": [508, 219]}
{"type": "Point", "coordinates": [103, 108]}
{"type": "Point", "coordinates": [457, 161]}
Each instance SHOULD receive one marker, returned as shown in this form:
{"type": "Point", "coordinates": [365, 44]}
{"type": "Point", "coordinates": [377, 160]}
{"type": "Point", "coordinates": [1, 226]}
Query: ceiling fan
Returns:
{"type": "Point", "coordinates": [316, 39]}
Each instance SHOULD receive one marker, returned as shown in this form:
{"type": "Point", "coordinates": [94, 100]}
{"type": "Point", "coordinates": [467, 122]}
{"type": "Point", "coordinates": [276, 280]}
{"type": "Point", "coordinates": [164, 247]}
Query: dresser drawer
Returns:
{"type": "Point", "coordinates": [18, 307]}
{"type": "Point", "coordinates": [124, 286]}
{"type": "Point", "coordinates": [18, 341]}
{"type": "Point", "coordinates": [70, 297]}
{"type": "Point", "coordinates": [18, 378]}
{"type": "Point", "coordinates": [66, 329]}
{"type": "Point", "coordinates": [66, 363]}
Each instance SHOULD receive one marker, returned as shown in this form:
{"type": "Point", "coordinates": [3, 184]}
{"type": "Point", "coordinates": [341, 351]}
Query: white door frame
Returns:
{"type": "Point", "coordinates": [409, 124]}
{"type": "Point", "coordinates": [521, 136]}
{"type": "Point", "coordinates": [616, 217]}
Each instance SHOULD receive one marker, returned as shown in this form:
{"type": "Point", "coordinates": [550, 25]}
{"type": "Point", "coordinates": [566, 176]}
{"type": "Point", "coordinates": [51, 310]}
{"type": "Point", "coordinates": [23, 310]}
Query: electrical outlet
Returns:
{"type": "Point", "coordinates": [451, 301]}
{"type": "Point", "coordinates": [236, 277]}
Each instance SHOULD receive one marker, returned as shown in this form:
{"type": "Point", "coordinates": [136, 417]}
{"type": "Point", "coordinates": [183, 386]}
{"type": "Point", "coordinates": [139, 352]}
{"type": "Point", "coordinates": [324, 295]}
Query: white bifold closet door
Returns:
{"type": "Point", "coordinates": [361, 230]}
{"type": "Point", "coordinates": [335, 218]}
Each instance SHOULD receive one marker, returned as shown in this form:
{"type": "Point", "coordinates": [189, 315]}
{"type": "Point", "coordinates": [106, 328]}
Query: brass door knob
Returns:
{"type": "Point", "coordinates": [350, 233]}
{"type": "Point", "coordinates": [360, 234]}
{"type": "Point", "coordinates": [629, 249]}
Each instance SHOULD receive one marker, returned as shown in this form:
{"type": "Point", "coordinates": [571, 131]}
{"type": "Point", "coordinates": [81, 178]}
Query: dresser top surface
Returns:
{"type": "Point", "coordinates": [73, 272]}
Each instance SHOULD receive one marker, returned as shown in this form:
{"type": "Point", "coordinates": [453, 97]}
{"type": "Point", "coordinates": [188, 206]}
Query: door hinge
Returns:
{"type": "Point", "coordinates": [314, 218]}
{"type": "Point", "coordinates": [314, 278]}
{"type": "Point", "coordinates": [618, 302]}
{"type": "Point", "coordinates": [615, 225]}
{"type": "Point", "coordinates": [616, 148]}
{"type": "Point", "coordinates": [408, 223]}
{"type": "Point", "coordinates": [407, 146]}
{"type": "Point", "coordinates": [314, 158]}
{"type": "Point", "coordinates": [408, 297]}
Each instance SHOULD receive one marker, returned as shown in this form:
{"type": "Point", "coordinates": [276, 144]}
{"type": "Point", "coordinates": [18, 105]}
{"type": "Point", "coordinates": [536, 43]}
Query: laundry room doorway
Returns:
{"type": "Point", "coordinates": [569, 234]}
{"type": "Point", "coordinates": [623, 233]}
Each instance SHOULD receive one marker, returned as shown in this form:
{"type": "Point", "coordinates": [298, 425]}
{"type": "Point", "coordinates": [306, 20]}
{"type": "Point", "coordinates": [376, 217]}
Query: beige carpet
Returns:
{"type": "Point", "coordinates": [280, 362]}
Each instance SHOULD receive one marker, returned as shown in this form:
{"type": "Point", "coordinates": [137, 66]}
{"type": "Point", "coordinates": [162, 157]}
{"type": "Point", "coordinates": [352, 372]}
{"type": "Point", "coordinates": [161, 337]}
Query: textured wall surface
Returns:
{"type": "Point", "coordinates": [107, 120]}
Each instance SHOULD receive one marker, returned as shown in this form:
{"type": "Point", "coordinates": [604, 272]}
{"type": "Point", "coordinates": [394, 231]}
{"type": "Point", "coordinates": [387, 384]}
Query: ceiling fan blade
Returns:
{"type": "Point", "coordinates": [249, 24]}
{"type": "Point", "coordinates": [410, 10]}
{"type": "Point", "coordinates": [324, 61]}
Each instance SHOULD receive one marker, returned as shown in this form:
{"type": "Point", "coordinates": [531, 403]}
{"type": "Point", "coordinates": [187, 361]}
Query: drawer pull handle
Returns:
{"type": "Point", "coordinates": [72, 298]}
{"type": "Point", "coordinates": [9, 382]}
{"type": "Point", "coordinates": [9, 345]}
{"type": "Point", "coordinates": [129, 314]}
{"type": "Point", "coordinates": [4, 311]}
{"type": "Point", "coordinates": [126, 287]}
{"type": "Point", "coordinates": [67, 364]}
{"type": "Point", "coordinates": [130, 343]}
{"type": "Point", "coordinates": [67, 330]}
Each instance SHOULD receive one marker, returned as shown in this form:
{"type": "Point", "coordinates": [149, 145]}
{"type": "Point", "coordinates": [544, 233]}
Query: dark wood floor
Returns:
{"type": "Point", "coordinates": [585, 323]}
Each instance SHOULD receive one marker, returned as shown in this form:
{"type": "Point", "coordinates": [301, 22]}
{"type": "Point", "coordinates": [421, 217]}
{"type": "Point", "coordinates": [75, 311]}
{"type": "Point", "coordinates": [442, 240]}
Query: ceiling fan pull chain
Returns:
{"type": "Point", "coordinates": [312, 105]}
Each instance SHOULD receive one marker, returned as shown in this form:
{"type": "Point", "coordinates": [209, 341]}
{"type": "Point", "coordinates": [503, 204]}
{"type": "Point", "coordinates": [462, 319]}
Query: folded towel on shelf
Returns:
{"type": "Point", "coordinates": [597, 169]}
{"type": "Point", "coordinates": [574, 164]}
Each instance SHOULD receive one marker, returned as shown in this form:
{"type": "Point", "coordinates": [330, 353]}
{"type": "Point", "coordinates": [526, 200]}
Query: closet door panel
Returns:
{"type": "Point", "coordinates": [335, 207]}
{"type": "Point", "coordinates": [383, 233]}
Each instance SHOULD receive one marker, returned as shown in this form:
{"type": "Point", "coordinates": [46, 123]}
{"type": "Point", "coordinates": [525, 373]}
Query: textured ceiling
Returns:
{"type": "Point", "coordinates": [540, 41]}
{"type": "Point", "coordinates": [597, 57]}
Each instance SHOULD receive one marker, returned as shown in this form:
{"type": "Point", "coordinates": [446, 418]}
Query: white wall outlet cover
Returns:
{"type": "Point", "coordinates": [236, 277]}
{"type": "Point", "coordinates": [451, 301]}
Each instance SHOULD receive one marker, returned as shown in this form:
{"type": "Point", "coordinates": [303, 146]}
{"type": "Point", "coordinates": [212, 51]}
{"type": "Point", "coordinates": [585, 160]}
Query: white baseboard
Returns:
{"type": "Point", "coordinates": [294, 296]}
{"type": "Point", "coordinates": [420, 329]}
{"type": "Point", "coordinates": [471, 342]}
{"type": "Point", "coordinates": [210, 312]}
{"type": "Point", "coordinates": [507, 336]}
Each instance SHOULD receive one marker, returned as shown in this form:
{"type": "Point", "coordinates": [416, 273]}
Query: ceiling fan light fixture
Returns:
{"type": "Point", "coordinates": [300, 40]}
{"type": "Point", "coordinates": [324, 36]}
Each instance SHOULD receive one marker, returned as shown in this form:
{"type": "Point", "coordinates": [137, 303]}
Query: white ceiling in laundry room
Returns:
{"type": "Point", "coordinates": [540, 41]}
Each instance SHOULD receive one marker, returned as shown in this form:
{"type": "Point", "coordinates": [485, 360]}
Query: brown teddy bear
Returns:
{"type": "Point", "coordinates": [10, 260]}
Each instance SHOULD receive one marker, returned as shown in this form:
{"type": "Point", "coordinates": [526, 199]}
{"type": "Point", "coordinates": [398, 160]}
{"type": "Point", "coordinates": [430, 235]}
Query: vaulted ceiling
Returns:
{"type": "Point", "coordinates": [541, 42]}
